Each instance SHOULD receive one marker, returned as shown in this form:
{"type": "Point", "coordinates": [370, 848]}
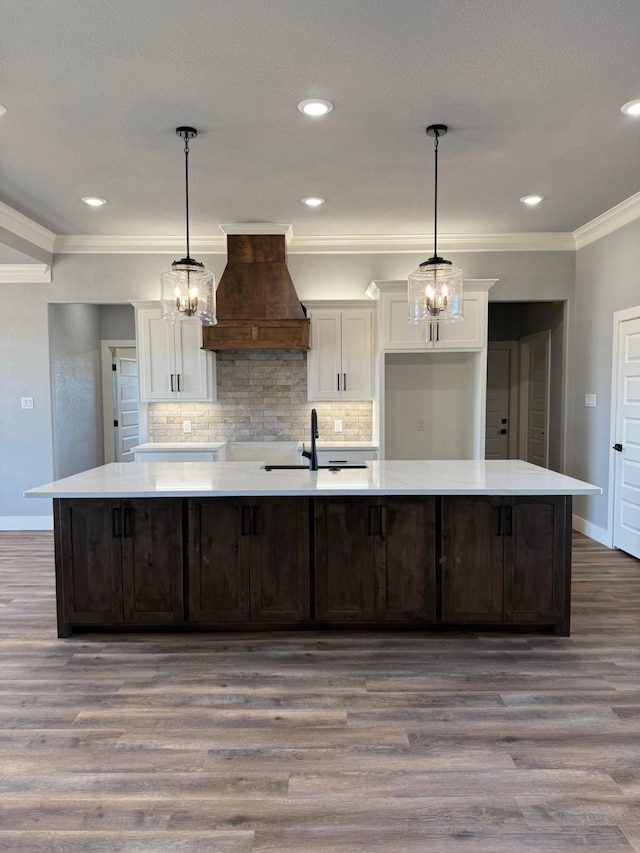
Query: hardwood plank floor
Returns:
{"type": "Point", "coordinates": [318, 742]}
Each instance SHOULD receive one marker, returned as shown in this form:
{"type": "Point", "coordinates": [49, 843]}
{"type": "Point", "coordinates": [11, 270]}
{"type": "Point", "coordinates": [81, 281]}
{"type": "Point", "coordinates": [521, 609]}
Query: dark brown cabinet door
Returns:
{"type": "Point", "coordinates": [537, 560]}
{"type": "Point", "coordinates": [472, 559]}
{"type": "Point", "coordinates": [280, 559]}
{"type": "Point", "coordinates": [405, 550]}
{"type": "Point", "coordinates": [218, 578]}
{"type": "Point", "coordinates": [89, 568]}
{"type": "Point", "coordinates": [345, 543]}
{"type": "Point", "coordinates": [152, 561]}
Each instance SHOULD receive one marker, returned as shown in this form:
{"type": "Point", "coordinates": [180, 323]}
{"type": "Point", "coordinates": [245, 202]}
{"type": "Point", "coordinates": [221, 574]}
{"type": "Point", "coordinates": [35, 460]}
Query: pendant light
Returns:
{"type": "Point", "coordinates": [188, 288]}
{"type": "Point", "coordinates": [435, 288]}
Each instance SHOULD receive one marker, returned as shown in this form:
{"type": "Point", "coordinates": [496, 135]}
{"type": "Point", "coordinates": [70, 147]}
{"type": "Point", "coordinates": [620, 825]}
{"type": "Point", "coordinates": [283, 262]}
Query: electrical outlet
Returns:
{"type": "Point", "coordinates": [186, 426]}
{"type": "Point", "coordinates": [26, 402]}
{"type": "Point", "coordinates": [337, 425]}
{"type": "Point", "coordinates": [420, 425]}
{"type": "Point", "coordinates": [590, 400]}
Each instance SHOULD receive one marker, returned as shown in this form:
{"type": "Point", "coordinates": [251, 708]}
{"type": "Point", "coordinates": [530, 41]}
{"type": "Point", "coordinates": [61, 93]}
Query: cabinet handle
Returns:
{"type": "Point", "coordinates": [437, 332]}
{"type": "Point", "coordinates": [172, 388]}
{"type": "Point", "coordinates": [246, 521]}
{"type": "Point", "coordinates": [116, 522]}
{"type": "Point", "coordinates": [338, 461]}
{"type": "Point", "coordinates": [179, 388]}
{"type": "Point", "coordinates": [508, 517]}
{"type": "Point", "coordinates": [256, 516]}
{"type": "Point", "coordinates": [372, 521]}
{"type": "Point", "coordinates": [338, 375]}
{"type": "Point", "coordinates": [430, 332]}
{"type": "Point", "coordinates": [126, 517]}
{"type": "Point", "coordinates": [383, 522]}
{"type": "Point", "coordinates": [499, 525]}
{"type": "Point", "coordinates": [344, 381]}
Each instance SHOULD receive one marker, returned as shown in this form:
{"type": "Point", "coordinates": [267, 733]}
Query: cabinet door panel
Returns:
{"type": "Point", "coordinates": [406, 559]}
{"type": "Point", "coordinates": [469, 332]}
{"type": "Point", "coordinates": [345, 559]}
{"type": "Point", "coordinates": [472, 560]}
{"type": "Point", "coordinates": [396, 332]}
{"type": "Point", "coordinates": [191, 363]}
{"type": "Point", "coordinates": [280, 559]}
{"type": "Point", "coordinates": [156, 357]}
{"type": "Point", "coordinates": [325, 363]}
{"type": "Point", "coordinates": [357, 355]}
{"type": "Point", "coordinates": [152, 560]}
{"type": "Point", "coordinates": [533, 550]}
{"type": "Point", "coordinates": [218, 560]}
{"type": "Point", "coordinates": [90, 561]}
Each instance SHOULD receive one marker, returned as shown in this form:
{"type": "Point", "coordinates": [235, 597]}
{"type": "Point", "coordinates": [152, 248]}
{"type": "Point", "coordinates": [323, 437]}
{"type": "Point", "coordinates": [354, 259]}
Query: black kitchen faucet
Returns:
{"type": "Point", "coordinates": [312, 455]}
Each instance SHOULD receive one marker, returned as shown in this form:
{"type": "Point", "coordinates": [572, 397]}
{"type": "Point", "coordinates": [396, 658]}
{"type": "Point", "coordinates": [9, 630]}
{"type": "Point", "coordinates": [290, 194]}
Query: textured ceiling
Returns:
{"type": "Point", "coordinates": [531, 91]}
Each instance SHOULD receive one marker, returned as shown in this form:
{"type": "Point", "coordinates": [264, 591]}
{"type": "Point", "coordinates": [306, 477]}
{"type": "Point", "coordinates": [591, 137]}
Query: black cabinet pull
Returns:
{"type": "Point", "coordinates": [344, 381]}
{"type": "Point", "coordinates": [256, 516]}
{"type": "Point", "coordinates": [499, 524]}
{"type": "Point", "coordinates": [508, 520]}
{"type": "Point", "coordinates": [126, 517]}
{"type": "Point", "coordinates": [178, 376]}
{"type": "Point", "coordinates": [172, 388]}
{"type": "Point", "coordinates": [116, 522]}
{"type": "Point", "coordinates": [372, 521]}
{"type": "Point", "coordinates": [437, 331]}
{"type": "Point", "coordinates": [338, 375]}
{"type": "Point", "coordinates": [246, 521]}
{"type": "Point", "coordinates": [430, 332]}
{"type": "Point", "coordinates": [383, 521]}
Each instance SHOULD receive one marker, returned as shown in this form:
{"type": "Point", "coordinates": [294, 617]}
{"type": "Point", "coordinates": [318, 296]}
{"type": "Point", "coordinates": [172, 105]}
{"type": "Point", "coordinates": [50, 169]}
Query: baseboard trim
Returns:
{"type": "Point", "coordinates": [593, 531]}
{"type": "Point", "coordinates": [26, 522]}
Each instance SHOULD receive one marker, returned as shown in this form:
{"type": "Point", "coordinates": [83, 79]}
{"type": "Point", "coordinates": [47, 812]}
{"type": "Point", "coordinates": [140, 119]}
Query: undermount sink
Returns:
{"type": "Point", "coordinates": [306, 467]}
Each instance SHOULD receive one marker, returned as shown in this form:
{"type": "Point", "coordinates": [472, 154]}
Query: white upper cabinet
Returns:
{"type": "Point", "coordinates": [340, 361]}
{"type": "Point", "coordinates": [172, 366]}
{"type": "Point", "coordinates": [397, 334]}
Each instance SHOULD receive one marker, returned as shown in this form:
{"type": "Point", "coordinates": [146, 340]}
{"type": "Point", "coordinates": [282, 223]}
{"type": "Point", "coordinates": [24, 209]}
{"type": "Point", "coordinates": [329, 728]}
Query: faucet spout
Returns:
{"type": "Point", "coordinates": [312, 455]}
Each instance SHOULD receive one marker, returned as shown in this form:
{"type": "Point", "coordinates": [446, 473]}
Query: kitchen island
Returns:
{"type": "Point", "coordinates": [231, 546]}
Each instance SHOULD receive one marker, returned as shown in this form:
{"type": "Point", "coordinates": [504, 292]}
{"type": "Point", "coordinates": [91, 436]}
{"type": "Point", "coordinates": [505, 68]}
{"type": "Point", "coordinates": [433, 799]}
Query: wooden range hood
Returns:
{"type": "Point", "coordinates": [257, 305]}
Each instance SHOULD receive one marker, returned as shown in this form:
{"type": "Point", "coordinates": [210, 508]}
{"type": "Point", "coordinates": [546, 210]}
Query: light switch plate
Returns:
{"type": "Point", "coordinates": [590, 400]}
{"type": "Point", "coordinates": [186, 426]}
{"type": "Point", "coordinates": [337, 425]}
{"type": "Point", "coordinates": [26, 402]}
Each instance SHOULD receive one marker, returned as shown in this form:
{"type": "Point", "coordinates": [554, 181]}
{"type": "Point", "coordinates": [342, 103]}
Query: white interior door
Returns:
{"type": "Point", "coordinates": [498, 392]}
{"type": "Point", "coordinates": [626, 491]}
{"type": "Point", "coordinates": [534, 386]}
{"type": "Point", "coordinates": [125, 386]}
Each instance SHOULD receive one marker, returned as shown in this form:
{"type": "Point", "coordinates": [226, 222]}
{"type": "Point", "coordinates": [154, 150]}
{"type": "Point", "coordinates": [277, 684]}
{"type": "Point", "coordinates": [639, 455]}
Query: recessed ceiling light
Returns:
{"type": "Point", "coordinates": [94, 201]}
{"type": "Point", "coordinates": [3, 110]}
{"type": "Point", "coordinates": [313, 201]}
{"type": "Point", "coordinates": [532, 199]}
{"type": "Point", "coordinates": [632, 108]}
{"type": "Point", "coordinates": [315, 107]}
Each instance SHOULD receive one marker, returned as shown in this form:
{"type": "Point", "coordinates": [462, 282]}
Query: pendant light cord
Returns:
{"type": "Point", "coordinates": [186, 184]}
{"type": "Point", "coordinates": [435, 198]}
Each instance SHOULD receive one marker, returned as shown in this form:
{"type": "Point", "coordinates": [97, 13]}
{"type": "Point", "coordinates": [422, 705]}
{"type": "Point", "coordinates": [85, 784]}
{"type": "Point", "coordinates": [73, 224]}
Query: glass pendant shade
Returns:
{"type": "Point", "coordinates": [435, 292]}
{"type": "Point", "coordinates": [188, 293]}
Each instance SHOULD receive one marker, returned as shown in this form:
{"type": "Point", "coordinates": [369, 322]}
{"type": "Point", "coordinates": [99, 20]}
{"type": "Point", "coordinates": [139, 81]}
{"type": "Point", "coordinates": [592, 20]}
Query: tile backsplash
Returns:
{"type": "Point", "coordinates": [262, 396]}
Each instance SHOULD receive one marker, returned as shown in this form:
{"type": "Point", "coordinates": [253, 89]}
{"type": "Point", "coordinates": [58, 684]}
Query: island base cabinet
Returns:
{"type": "Point", "coordinates": [375, 560]}
{"type": "Point", "coordinates": [249, 561]}
{"type": "Point", "coordinates": [118, 562]}
{"type": "Point", "coordinates": [506, 560]}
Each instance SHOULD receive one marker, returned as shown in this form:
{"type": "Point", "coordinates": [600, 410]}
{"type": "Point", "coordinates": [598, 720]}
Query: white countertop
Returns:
{"type": "Point", "coordinates": [163, 446]}
{"type": "Point", "coordinates": [227, 479]}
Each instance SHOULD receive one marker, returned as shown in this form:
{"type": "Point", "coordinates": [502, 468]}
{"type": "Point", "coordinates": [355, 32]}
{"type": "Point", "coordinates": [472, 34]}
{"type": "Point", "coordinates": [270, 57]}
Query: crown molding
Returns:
{"type": "Point", "coordinates": [80, 244]}
{"type": "Point", "coordinates": [25, 274]}
{"type": "Point", "coordinates": [26, 228]}
{"type": "Point", "coordinates": [622, 214]}
{"type": "Point", "coordinates": [389, 244]}
{"type": "Point", "coordinates": [259, 228]}
{"type": "Point", "coordinates": [392, 285]}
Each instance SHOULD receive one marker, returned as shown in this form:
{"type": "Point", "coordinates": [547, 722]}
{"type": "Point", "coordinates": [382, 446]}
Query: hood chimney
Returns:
{"type": "Point", "coordinates": [257, 305]}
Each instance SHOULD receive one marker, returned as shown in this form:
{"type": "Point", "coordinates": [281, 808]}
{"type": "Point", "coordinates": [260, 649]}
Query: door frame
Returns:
{"type": "Point", "coordinates": [514, 394]}
{"type": "Point", "coordinates": [523, 425]}
{"type": "Point", "coordinates": [107, 393]}
{"type": "Point", "coordinates": [619, 317]}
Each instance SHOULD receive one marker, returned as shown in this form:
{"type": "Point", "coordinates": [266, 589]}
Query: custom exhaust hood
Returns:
{"type": "Point", "coordinates": [257, 305]}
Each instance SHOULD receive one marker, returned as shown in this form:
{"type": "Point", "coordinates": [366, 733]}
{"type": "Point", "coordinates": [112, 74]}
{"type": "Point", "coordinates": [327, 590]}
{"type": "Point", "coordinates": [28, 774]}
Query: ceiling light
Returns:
{"type": "Point", "coordinates": [315, 107]}
{"type": "Point", "coordinates": [3, 110]}
{"type": "Point", "coordinates": [435, 289]}
{"type": "Point", "coordinates": [313, 201]}
{"type": "Point", "coordinates": [532, 199]}
{"type": "Point", "coordinates": [187, 288]}
{"type": "Point", "coordinates": [94, 201]}
{"type": "Point", "coordinates": [632, 108]}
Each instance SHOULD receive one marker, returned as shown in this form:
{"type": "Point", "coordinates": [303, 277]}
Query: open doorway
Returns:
{"type": "Point", "coordinates": [524, 388]}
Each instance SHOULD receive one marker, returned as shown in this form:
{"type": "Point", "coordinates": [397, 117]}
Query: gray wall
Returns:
{"type": "Point", "coordinates": [607, 280]}
{"type": "Point", "coordinates": [117, 323]}
{"type": "Point", "coordinates": [26, 449]}
{"type": "Point", "coordinates": [76, 388]}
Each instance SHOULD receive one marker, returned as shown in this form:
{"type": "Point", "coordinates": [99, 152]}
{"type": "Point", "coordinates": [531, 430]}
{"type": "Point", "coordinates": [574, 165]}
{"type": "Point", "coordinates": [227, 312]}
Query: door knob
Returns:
{"type": "Point", "coordinates": [617, 447]}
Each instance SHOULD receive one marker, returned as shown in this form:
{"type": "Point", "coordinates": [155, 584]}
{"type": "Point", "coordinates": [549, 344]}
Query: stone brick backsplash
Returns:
{"type": "Point", "coordinates": [262, 396]}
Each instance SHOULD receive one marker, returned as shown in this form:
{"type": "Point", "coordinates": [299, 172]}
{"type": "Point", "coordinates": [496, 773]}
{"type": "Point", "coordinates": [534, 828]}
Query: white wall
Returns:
{"type": "Point", "coordinates": [26, 451]}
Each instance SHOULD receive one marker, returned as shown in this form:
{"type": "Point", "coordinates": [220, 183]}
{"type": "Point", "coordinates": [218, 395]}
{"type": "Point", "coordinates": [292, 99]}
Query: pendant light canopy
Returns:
{"type": "Point", "coordinates": [188, 288]}
{"type": "Point", "coordinates": [435, 289]}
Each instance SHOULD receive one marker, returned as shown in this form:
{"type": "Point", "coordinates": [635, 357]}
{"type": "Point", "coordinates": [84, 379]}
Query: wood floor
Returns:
{"type": "Point", "coordinates": [315, 743]}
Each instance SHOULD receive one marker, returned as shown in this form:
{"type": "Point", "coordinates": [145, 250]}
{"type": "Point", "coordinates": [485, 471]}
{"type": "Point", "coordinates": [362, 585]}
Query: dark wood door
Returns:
{"type": "Point", "coordinates": [405, 559]}
{"type": "Point", "coordinates": [152, 578]}
{"type": "Point", "coordinates": [280, 560]}
{"type": "Point", "coordinates": [537, 560]}
{"type": "Point", "coordinates": [472, 559]}
{"type": "Point", "coordinates": [88, 562]}
{"type": "Point", "coordinates": [345, 545]}
{"type": "Point", "coordinates": [218, 574]}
